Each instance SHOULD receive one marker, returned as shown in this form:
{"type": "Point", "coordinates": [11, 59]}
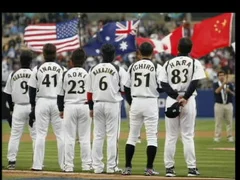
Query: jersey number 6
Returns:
{"type": "Point", "coordinates": [103, 84]}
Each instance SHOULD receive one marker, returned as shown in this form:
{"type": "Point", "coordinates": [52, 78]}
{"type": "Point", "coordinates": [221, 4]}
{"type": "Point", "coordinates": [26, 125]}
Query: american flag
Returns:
{"type": "Point", "coordinates": [63, 35]}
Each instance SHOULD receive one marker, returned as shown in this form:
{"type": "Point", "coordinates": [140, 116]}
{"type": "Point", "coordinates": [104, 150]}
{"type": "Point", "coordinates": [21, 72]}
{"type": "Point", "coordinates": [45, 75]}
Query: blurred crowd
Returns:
{"type": "Point", "coordinates": [13, 25]}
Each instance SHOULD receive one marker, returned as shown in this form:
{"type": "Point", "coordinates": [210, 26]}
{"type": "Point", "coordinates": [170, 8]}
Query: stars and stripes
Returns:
{"type": "Point", "coordinates": [63, 35]}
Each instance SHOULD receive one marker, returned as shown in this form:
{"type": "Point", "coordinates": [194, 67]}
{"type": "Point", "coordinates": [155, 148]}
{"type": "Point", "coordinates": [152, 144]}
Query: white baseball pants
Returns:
{"type": "Point", "coordinates": [77, 120]}
{"type": "Point", "coordinates": [184, 124]}
{"type": "Point", "coordinates": [107, 119]}
{"type": "Point", "coordinates": [20, 118]}
{"type": "Point", "coordinates": [46, 111]}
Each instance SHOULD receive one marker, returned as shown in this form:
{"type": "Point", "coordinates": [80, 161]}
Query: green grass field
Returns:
{"type": "Point", "coordinates": [211, 163]}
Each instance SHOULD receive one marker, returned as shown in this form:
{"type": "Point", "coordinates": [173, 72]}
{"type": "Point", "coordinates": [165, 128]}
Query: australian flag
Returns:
{"type": "Point", "coordinates": [120, 34]}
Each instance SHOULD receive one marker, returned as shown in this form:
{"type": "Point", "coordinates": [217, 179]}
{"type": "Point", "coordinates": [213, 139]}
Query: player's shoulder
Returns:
{"type": "Point", "coordinates": [64, 68]}
{"type": "Point", "coordinates": [11, 74]}
{"type": "Point", "coordinates": [94, 67]}
{"type": "Point", "coordinates": [59, 65]}
{"type": "Point", "coordinates": [121, 69]}
{"type": "Point", "coordinates": [158, 65]}
{"type": "Point", "coordinates": [20, 70]}
{"type": "Point", "coordinates": [83, 70]}
{"type": "Point", "coordinates": [35, 68]}
{"type": "Point", "coordinates": [166, 63]}
{"type": "Point", "coordinates": [115, 66]}
{"type": "Point", "coordinates": [197, 62]}
{"type": "Point", "coordinates": [131, 65]}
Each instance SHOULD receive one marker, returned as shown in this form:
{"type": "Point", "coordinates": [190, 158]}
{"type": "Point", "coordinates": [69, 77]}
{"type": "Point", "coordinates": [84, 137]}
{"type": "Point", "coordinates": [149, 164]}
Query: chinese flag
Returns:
{"type": "Point", "coordinates": [211, 34]}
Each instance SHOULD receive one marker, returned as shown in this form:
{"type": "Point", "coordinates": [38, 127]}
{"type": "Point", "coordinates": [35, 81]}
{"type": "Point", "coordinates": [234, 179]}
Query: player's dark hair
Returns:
{"type": "Point", "coordinates": [26, 58]}
{"type": "Point", "coordinates": [221, 72]}
{"type": "Point", "coordinates": [49, 52]}
{"type": "Point", "coordinates": [78, 57]}
{"type": "Point", "coordinates": [108, 52]}
{"type": "Point", "coordinates": [146, 49]}
{"type": "Point", "coordinates": [185, 45]}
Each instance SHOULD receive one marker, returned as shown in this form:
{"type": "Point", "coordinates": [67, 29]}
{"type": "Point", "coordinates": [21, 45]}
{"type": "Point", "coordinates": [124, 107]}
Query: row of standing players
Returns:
{"type": "Point", "coordinates": [71, 99]}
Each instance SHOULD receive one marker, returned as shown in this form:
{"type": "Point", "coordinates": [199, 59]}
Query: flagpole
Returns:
{"type": "Point", "coordinates": [79, 19]}
{"type": "Point", "coordinates": [139, 18]}
{"type": "Point", "coordinates": [138, 34]}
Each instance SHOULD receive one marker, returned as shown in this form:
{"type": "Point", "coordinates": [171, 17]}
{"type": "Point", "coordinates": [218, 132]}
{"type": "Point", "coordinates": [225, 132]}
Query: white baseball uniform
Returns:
{"type": "Point", "coordinates": [76, 117]}
{"type": "Point", "coordinates": [17, 87]}
{"type": "Point", "coordinates": [143, 78]}
{"type": "Point", "coordinates": [104, 82]}
{"type": "Point", "coordinates": [178, 73]}
{"type": "Point", "coordinates": [45, 79]}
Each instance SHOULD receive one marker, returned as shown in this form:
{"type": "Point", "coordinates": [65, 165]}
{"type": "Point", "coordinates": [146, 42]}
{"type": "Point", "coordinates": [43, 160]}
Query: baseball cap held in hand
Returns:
{"type": "Point", "coordinates": [173, 111]}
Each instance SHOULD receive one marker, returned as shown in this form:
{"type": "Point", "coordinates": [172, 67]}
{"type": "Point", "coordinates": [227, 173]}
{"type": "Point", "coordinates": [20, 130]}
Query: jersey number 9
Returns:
{"type": "Point", "coordinates": [24, 86]}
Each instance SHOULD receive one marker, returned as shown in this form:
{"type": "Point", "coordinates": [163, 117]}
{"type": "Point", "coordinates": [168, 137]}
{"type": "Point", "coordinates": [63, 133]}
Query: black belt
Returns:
{"type": "Point", "coordinates": [100, 101]}
{"type": "Point", "coordinates": [22, 103]}
{"type": "Point", "coordinates": [222, 103]}
{"type": "Point", "coordinates": [106, 101]}
{"type": "Point", "coordinates": [143, 97]}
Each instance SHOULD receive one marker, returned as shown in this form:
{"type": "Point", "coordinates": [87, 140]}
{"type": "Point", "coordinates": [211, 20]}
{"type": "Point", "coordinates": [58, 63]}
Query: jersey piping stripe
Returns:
{"type": "Point", "coordinates": [118, 134]}
{"type": "Point", "coordinates": [117, 68]}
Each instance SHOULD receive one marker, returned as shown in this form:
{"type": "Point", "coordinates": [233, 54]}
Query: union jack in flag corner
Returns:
{"type": "Point", "coordinates": [120, 34]}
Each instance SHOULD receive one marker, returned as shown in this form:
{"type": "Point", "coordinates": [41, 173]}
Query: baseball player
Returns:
{"type": "Point", "coordinates": [142, 92]}
{"type": "Point", "coordinates": [17, 92]}
{"type": "Point", "coordinates": [179, 80]}
{"type": "Point", "coordinates": [73, 107]}
{"type": "Point", "coordinates": [104, 98]}
{"type": "Point", "coordinates": [43, 85]}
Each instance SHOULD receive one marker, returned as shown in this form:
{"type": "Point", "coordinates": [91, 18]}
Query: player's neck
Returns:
{"type": "Point", "coordinates": [147, 57]}
{"type": "Point", "coordinates": [183, 54]}
{"type": "Point", "coordinates": [47, 60]}
{"type": "Point", "coordinates": [77, 66]}
{"type": "Point", "coordinates": [25, 67]}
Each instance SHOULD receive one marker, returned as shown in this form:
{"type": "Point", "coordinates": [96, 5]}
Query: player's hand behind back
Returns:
{"type": "Point", "coordinates": [91, 113]}
{"type": "Point", "coordinates": [32, 117]}
{"type": "Point", "coordinates": [61, 114]}
{"type": "Point", "coordinates": [182, 101]}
